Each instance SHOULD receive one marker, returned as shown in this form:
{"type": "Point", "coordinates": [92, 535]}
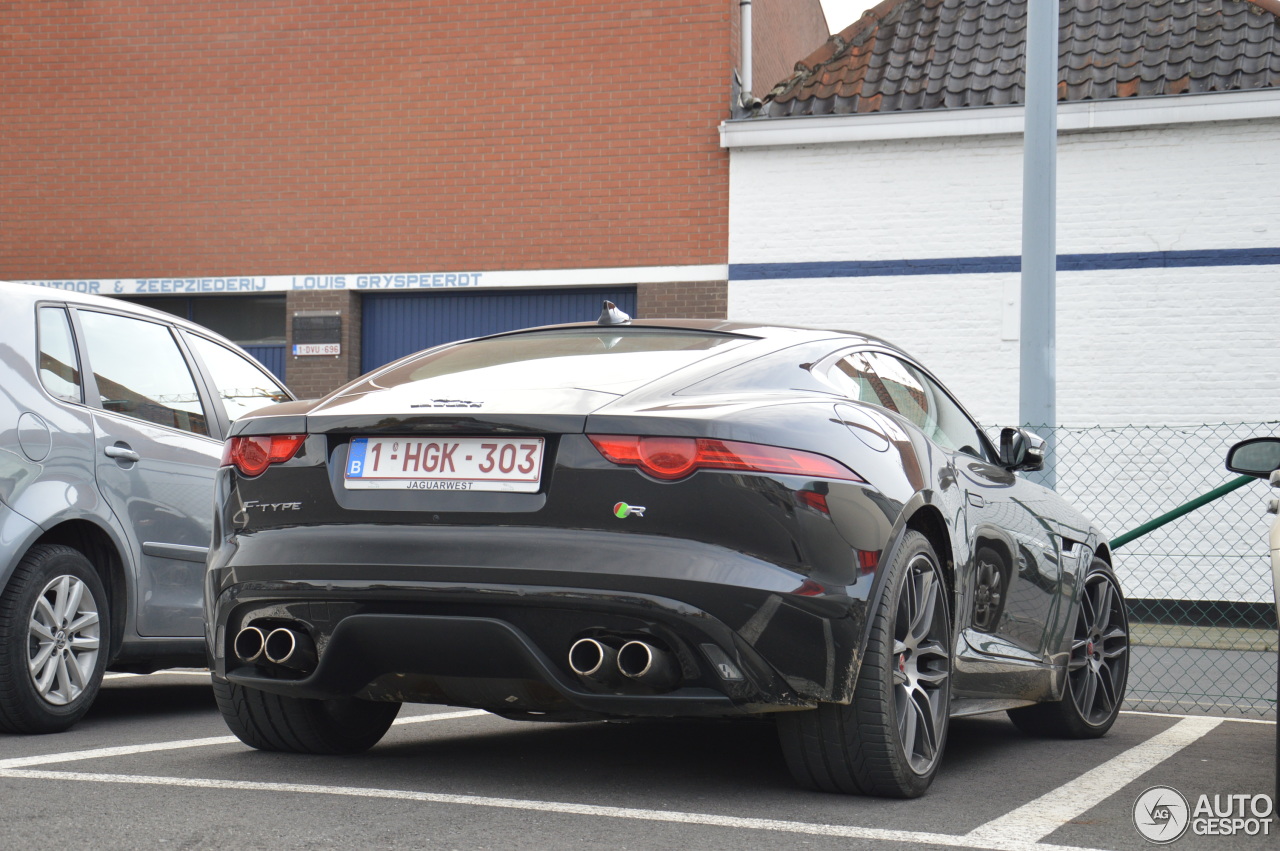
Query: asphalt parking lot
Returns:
{"type": "Point", "coordinates": [153, 766]}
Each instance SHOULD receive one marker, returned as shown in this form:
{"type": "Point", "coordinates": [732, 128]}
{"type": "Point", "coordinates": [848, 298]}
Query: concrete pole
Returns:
{"type": "Point", "coordinates": [1037, 368]}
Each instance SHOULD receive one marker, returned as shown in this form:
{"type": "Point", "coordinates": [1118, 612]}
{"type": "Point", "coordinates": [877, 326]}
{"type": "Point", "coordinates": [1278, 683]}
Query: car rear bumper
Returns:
{"type": "Point", "coordinates": [486, 617]}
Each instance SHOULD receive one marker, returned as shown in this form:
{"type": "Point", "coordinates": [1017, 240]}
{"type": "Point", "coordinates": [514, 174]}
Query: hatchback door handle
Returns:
{"type": "Point", "coordinates": [122, 453]}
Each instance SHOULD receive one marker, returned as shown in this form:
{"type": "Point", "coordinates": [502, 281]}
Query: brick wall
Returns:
{"type": "Point", "coordinates": [695, 300]}
{"type": "Point", "coordinates": [300, 136]}
{"type": "Point", "coordinates": [782, 33]}
{"type": "Point", "coordinates": [312, 376]}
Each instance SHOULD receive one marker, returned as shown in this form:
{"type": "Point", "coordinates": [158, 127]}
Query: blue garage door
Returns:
{"type": "Point", "coordinates": [395, 325]}
{"type": "Point", "coordinates": [272, 357]}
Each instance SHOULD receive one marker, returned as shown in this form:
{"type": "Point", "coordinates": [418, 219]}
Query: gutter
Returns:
{"type": "Point", "coordinates": [1073, 117]}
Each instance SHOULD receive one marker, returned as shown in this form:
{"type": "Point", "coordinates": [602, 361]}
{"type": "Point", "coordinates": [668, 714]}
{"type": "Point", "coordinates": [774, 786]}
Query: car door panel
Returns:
{"type": "Point", "coordinates": [162, 499]}
{"type": "Point", "coordinates": [1015, 572]}
{"type": "Point", "coordinates": [154, 462]}
{"type": "Point", "coordinates": [1008, 580]}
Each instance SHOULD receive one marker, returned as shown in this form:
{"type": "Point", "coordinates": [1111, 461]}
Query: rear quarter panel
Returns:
{"type": "Point", "coordinates": [44, 487]}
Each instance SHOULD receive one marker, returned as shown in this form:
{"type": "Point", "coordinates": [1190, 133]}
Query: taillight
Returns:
{"type": "Point", "coordinates": [253, 454]}
{"type": "Point", "coordinates": [672, 458]}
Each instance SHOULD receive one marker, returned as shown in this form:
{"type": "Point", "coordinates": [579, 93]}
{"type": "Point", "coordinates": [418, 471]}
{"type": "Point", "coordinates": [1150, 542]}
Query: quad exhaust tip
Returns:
{"type": "Point", "coordinates": [646, 664]}
{"type": "Point", "coordinates": [289, 648]}
{"type": "Point", "coordinates": [249, 644]}
{"type": "Point", "coordinates": [592, 659]}
{"type": "Point", "coordinates": [640, 661]}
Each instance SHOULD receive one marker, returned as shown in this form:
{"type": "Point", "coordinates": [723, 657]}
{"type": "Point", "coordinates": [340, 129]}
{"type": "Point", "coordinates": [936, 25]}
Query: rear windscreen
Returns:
{"type": "Point", "coordinates": [613, 360]}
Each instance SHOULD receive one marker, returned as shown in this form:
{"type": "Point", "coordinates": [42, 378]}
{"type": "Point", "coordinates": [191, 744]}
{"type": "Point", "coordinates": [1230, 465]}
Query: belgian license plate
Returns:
{"type": "Point", "coordinates": [445, 464]}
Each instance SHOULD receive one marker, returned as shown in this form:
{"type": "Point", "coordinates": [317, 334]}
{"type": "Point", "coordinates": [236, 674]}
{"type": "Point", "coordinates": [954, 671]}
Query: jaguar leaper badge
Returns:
{"type": "Point", "coordinates": [622, 511]}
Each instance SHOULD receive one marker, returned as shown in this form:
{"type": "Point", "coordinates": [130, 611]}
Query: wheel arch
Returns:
{"type": "Point", "coordinates": [928, 521]}
{"type": "Point", "coordinates": [1103, 552]}
{"type": "Point", "coordinates": [97, 545]}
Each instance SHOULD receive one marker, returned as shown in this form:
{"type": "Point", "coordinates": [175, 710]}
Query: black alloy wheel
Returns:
{"type": "Point", "coordinates": [1097, 667]}
{"type": "Point", "coordinates": [922, 664]}
{"type": "Point", "coordinates": [988, 592]}
{"type": "Point", "coordinates": [889, 741]}
{"type": "Point", "coordinates": [1099, 661]}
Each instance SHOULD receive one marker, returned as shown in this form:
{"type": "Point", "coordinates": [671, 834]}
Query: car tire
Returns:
{"type": "Point", "coordinates": [54, 628]}
{"type": "Point", "coordinates": [902, 695]}
{"type": "Point", "coordinates": [1097, 668]}
{"type": "Point", "coordinates": [273, 722]}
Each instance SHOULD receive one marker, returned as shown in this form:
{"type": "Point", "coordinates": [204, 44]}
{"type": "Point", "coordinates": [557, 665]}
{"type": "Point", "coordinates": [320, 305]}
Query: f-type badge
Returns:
{"type": "Point", "coordinates": [623, 511]}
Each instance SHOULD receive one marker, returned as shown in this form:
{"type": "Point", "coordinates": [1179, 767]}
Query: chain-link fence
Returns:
{"type": "Point", "coordinates": [1200, 597]}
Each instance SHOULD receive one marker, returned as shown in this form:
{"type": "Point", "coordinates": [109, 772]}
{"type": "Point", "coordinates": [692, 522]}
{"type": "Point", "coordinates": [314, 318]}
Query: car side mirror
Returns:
{"type": "Point", "coordinates": [1021, 449]}
{"type": "Point", "coordinates": [1258, 457]}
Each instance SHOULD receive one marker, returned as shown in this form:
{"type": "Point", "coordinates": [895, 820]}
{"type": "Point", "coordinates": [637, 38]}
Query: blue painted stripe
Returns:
{"type": "Point", "coordinates": [1013, 263]}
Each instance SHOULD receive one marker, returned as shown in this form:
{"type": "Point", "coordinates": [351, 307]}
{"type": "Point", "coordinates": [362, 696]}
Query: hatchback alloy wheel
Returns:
{"type": "Point", "coordinates": [63, 640]}
{"type": "Point", "coordinates": [54, 628]}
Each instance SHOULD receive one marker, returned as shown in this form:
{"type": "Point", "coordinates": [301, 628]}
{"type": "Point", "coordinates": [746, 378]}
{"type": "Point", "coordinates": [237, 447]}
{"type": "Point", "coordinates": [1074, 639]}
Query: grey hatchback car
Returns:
{"type": "Point", "coordinates": [112, 419]}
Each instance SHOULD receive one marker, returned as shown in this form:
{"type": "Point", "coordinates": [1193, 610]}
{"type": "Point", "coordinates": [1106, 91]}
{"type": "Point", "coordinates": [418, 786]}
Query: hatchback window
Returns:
{"type": "Point", "coordinates": [613, 360]}
{"type": "Point", "coordinates": [141, 372]}
{"type": "Point", "coordinates": [59, 364]}
{"type": "Point", "coordinates": [242, 387]}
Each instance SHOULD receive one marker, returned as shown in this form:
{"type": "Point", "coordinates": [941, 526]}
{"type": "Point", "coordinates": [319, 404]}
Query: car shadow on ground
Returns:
{"type": "Point", "coordinates": [145, 697]}
{"type": "Point", "coordinates": [602, 761]}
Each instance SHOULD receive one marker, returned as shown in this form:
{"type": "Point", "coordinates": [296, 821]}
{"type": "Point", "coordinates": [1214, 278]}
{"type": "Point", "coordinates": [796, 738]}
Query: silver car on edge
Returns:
{"type": "Point", "coordinates": [112, 420]}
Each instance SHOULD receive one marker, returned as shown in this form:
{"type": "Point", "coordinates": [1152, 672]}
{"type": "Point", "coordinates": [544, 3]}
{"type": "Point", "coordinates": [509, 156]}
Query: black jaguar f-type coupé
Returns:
{"type": "Point", "coordinates": [657, 519]}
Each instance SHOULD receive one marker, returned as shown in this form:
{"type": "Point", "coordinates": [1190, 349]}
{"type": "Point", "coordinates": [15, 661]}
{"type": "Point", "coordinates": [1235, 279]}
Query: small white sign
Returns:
{"type": "Point", "coordinates": [300, 349]}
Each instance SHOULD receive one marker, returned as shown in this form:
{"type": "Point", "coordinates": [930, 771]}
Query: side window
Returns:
{"type": "Point", "coordinates": [59, 363]}
{"type": "Point", "coordinates": [883, 381]}
{"type": "Point", "coordinates": [948, 425]}
{"type": "Point", "coordinates": [894, 384]}
{"type": "Point", "coordinates": [856, 377]}
{"type": "Point", "coordinates": [242, 386]}
{"type": "Point", "coordinates": [141, 371]}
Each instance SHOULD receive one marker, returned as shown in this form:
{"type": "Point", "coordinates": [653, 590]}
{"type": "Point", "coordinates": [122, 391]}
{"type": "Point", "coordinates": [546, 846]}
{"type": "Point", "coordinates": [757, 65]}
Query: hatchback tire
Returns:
{"type": "Point", "coordinates": [889, 741]}
{"type": "Point", "coordinates": [1097, 668]}
{"type": "Point", "coordinates": [54, 623]}
{"type": "Point", "coordinates": [273, 722]}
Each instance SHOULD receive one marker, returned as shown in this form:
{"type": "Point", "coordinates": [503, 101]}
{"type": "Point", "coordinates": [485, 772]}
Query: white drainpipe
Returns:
{"type": "Point", "coordinates": [744, 26]}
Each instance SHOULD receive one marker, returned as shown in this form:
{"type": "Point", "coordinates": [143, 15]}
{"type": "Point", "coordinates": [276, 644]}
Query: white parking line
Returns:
{"type": "Point", "coordinates": [441, 716]}
{"type": "Point", "coordinates": [181, 744]}
{"type": "Point", "coordinates": [912, 838]}
{"type": "Point", "coordinates": [1019, 830]}
{"type": "Point", "coordinates": [1218, 717]}
{"type": "Point", "coordinates": [1037, 819]}
{"type": "Point", "coordinates": [104, 753]}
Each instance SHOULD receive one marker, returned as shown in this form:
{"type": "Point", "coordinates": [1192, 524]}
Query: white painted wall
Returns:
{"type": "Point", "coordinates": [1179, 345]}
{"type": "Point", "coordinates": [1147, 347]}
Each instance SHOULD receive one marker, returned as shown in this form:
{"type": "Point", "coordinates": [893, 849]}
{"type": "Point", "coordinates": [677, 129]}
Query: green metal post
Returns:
{"type": "Point", "coordinates": [1186, 508]}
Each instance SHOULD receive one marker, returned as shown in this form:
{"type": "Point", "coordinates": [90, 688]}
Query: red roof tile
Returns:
{"type": "Point", "coordinates": [937, 54]}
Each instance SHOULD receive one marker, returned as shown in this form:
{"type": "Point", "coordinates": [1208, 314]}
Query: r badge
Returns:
{"type": "Point", "coordinates": [623, 511]}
